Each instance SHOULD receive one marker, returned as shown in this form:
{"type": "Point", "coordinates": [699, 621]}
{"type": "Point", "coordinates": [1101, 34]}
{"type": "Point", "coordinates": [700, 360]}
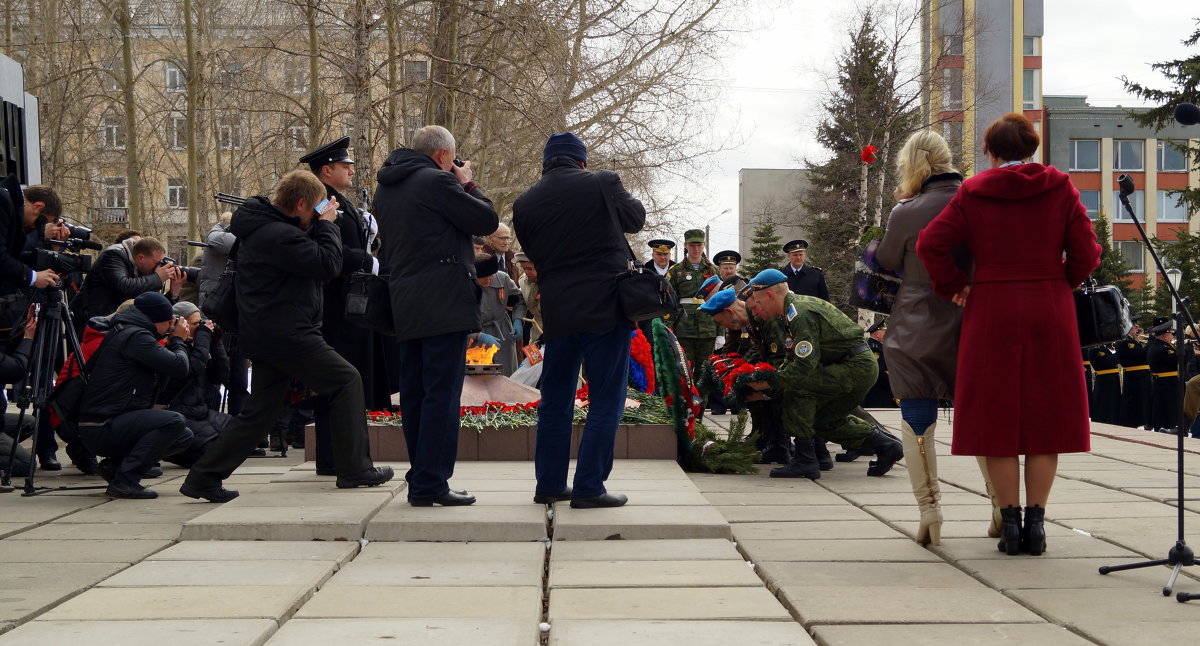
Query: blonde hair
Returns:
{"type": "Point", "coordinates": [225, 218]}
{"type": "Point", "coordinates": [924, 154]}
{"type": "Point", "coordinates": [295, 186]}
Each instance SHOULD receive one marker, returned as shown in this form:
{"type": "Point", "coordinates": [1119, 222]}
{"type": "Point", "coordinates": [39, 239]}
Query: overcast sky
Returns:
{"type": "Point", "coordinates": [775, 78]}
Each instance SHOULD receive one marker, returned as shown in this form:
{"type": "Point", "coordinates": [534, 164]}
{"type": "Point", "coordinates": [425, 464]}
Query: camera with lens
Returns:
{"type": "Point", "coordinates": [62, 262]}
{"type": "Point", "coordinates": [190, 273]}
{"type": "Point", "coordinates": [79, 232]}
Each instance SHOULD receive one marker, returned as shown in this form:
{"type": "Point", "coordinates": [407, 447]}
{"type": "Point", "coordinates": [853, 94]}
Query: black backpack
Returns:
{"type": "Point", "coordinates": [67, 397]}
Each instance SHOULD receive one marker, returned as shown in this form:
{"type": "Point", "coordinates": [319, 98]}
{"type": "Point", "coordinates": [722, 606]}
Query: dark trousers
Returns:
{"type": "Point", "coordinates": [137, 440]}
{"type": "Point", "coordinates": [605, 355]}
{"type": "Point", "coordinates": [432, 370]}
{"type": "Point", "coordinates": [325, 372]}
{"type": "Point", "coordinates": [239, 369]}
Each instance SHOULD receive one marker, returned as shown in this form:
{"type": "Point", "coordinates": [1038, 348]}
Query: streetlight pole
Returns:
{"type": "Point", "coordinates": [707, 238]}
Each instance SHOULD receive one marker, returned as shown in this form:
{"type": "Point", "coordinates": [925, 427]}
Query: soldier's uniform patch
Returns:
{"type": "Point", "coordinates": [803, 349]}
{"type": "Point", "coordinates": [791, 312]}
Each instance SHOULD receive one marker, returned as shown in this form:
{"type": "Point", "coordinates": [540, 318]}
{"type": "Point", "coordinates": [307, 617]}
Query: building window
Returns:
{"type": "Point", "coordinates": [232, 76]}
{"type": "Point", "coordinates": [1029, 83]}
{"type": "Point", "coordinates": [229, 134]}
{"type": "Point", "coordinates": [1127, 154]}
{"type": "Point", "coordinates": [108, 78]}
{"type": "Point", "coordinates": [1131, 251]}
{"type": "Point", "coordinates": [177, 132]}
{"type": "Point", "coordinates": [1091, 202]}
{"type": "Point", "coordinates": [112, 132]}
{"type": "Point", "coordinates": [1085, 155]}
{"type": "Point", "coordinates": [412, 125]}
{"type": "Point", "coordinates": [952, 45]}
{"type": "Point", "coordinates": [295, 75]}
{"type": "Point", "coordinates": [952, 88]}
{"type": "Point", "coordinates": [1172, 159]}
{"type": "Point", "coordinates": [298, 136]}
{"type": "Point", "coordinates": [175, 80]}
{"type": "Point", "coordinates": [1169, 209]}
{"type": "Point", "coordinates": [1137, 201]}
{"type": "Point", "coordinates": [177, 193]}
{"type": "Point", "coordinates": [416, 70]}
{"type": "Point", "coordinates": [115, 189]}
{"type": "Point", "coordinates": [1032, 46]}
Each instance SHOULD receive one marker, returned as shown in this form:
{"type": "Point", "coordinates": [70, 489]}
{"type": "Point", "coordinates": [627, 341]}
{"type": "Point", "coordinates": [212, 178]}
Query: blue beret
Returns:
{"type": "Point", "coordinates": [719, 302]}
{"type": "Point", "coordinates": [708, 286]}
{"type": "Point", "coordinates": [767, 278]}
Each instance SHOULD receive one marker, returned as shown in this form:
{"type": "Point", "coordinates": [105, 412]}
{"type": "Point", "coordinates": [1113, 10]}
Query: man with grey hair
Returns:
{"type": "Point", "coordinates": [429, 207]}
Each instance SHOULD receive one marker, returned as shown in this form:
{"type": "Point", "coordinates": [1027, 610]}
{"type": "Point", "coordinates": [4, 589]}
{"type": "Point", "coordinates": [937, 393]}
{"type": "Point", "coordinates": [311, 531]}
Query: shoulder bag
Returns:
{"type": "Point", "coordinates": [221, 305]}
{"type": "Point", "coordinates": [369, 303]}
{"type": "Point", "coordinates": [641, 293]}
{"type": "Point", "coordinates": [1102, 313]}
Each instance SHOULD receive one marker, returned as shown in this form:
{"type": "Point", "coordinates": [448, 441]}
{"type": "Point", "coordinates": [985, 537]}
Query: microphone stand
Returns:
{"type": "Point", "coordinates": [1181, 554]}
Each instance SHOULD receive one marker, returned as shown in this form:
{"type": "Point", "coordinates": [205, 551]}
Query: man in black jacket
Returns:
{"type": "Point", "coordinates": [572, 225]}
{"type": "Point", "coordinates": [332, 164]}
{"type": "Point", "coordinates": [429, 208]}
{"type": "Point", "coordinates": [121, 272]}
{"type": "Point", "coordinates": [286, 250]}
{"type": "Point", "coordinates": [208, 368]}
{"type": "Point", "coordinates": [116, 419]}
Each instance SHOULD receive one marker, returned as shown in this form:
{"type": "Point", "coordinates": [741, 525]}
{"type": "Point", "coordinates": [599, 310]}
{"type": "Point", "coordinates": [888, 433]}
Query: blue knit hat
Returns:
{"type": "Point", "coordinates": [155, 306]}
{"type": "Point", "coordinates": [719, 302]}
{"type": "Point", "coordinates": [564, 144]}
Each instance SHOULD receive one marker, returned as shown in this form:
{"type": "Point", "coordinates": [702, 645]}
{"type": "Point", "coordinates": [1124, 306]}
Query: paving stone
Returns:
{"type": "Point", "coordinates": [184, 632]}
{"type": "Point", "coordinates": [688, 549]}
{"type": "Point", "coordinates": [1047, 572]}
{"type": "Point", "coordinates": [839, 529]}
{"type": "Point", "coordinates": [43, 509]}
{"type": "Point", "coordinates": [400, 521]}
{"type": "Point", "coordinates": [775, 497]}
{"type": "Point", "coordinates": [1126, 631]}
{"type": "Point", "coordinates": [980, 513]}
{"type": "Point", "coordinates": [661, 498]}
{"type": "Point", "coordinates": [845, 604]}
{"type": "Point", "coordinates": [11, 529]}
{"type": "Point", "coordinates": [1082, 607]}
{"type": "Point", "coordinates": [93, 531]}
{"type": "Point", "coordinates": [149, 574]}
{"type": "Point", "coordinates": [948, 635]}
{"type": "Point", "coordinates": [457, 551]}
{"type": "Point", "coordinates": [252, 467]}
{"type": "Point", "coordinates": [584, 632]}
{"type": "Point", "coordinates": [627, 485]}
{"type": "Point", "coordinates": [950, 496]}
{"type": "Point", "coordinates": [409, 632]}
{"type": "Point", "coordinates": [477, 486]}
{"type": "Point", "coordinates": [778, 574]}
{"type": "Point", "coordinates": [275, 495]}
{"type": "Point", "coordinates": [1143, 509]}
{"type": "Point", "coordinates": [970, 529]}
{"type": "Point", "coordinates": [790, 513]}
{"type": "Point", "coordinates": [639, 522]}
{"type": "Point", "coordinates": [28, 591]}
{"type": "Point", "coordinates": [61, 551]}
{"type": "Point", "coordinates": [467, 564]}
{"type": "Point", "coordinates": [651, 574]}
{"type": "Point", "coordinates": [129, 511]}
{"type": "Point", "coordinates": [958, 549]}
{"type": "Point", "coordinates": [183, 602]}
{"type": "Point", "coordinates": [709, 604]}
{"type": "Point", "coordinates": [754, 484]}
{"type": "Point", "coordinates": [868, 550]}
{"type": "Point", "coordinates": [377, 601]}
{"type": "Point", "coordinates": [297, 523]}
{"type": "Point", "coordinates": [337, 552]}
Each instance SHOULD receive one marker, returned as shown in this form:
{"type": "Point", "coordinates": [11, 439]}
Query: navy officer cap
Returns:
{"type": "Point", "coordinates": [331, 153]}
{"type": "Point", "coordinates": [795, 245]}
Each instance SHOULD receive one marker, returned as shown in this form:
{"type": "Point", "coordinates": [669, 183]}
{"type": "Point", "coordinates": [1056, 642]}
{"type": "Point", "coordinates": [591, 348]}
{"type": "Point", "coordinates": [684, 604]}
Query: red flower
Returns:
{"type": "Point", "coordinates": [868, 154]}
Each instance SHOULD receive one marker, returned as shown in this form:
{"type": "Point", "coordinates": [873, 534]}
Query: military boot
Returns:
{"type": "Point", "coordinates": [993, 529]}
{"type": "Point", "coordinates": [824, 460]}
{"type": "Point", "coordinates": [803, 464]}
{"type": "Point", "coordinates": [885, 447]}
{"type": "Point", "coordinates": [920, 456]}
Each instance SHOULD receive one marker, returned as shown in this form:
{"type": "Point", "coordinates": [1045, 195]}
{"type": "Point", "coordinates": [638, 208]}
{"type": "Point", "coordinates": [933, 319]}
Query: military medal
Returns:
{"type": "Point", "coordinates": [789, 343]}
{"type": "Point", "coordinates": [774, 348]}
{"type": "Point", "coordinates": [687, 277]}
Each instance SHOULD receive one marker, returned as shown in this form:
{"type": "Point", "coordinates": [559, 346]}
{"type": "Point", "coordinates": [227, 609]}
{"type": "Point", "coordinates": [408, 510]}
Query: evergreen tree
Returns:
{"type": "Point", "coordinates": [1113, 269]}
{"type": "Point", "coordinates": [765, 251]}
{"type": "Point", "coordinates": [1184, 76]}
{"type": "Point", "coordinates": [1183, 254]}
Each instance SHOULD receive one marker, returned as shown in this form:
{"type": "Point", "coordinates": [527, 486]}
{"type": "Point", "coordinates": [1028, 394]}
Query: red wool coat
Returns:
{"type": "Point", "coordinates": [1020, 387]}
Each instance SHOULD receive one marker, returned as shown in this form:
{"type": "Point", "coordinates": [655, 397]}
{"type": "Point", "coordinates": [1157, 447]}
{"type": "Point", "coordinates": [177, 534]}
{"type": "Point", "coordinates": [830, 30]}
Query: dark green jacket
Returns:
{"type": "Point", "coordinates": [686, 280]}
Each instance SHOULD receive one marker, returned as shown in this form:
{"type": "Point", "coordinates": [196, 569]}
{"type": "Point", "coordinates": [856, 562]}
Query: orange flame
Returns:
{"type": "Point", "coordinates": [481, 354]}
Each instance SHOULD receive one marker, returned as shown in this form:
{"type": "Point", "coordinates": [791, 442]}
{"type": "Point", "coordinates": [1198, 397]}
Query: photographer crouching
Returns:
{"type": "Point", "coordinates": [208, 369]}
{"type": "Point", "coordinates": [116, 419]}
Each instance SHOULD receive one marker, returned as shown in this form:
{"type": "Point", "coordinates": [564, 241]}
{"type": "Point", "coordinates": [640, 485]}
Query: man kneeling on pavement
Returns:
{"type": "Point", "coordinates": [825, 372]}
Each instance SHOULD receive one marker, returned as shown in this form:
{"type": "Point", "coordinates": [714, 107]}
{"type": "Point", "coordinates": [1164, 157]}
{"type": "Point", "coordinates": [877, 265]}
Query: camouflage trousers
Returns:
{"type": "Point", "coordinates": [823, 403]}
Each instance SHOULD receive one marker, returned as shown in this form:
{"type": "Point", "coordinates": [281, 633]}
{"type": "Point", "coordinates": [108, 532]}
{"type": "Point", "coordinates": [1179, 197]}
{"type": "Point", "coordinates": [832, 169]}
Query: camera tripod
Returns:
{"type": "Point", "coordinates": [55, 324]}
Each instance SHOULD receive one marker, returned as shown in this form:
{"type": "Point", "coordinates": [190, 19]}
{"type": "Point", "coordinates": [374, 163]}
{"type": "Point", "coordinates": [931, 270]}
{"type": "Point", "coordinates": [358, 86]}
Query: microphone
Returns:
{"type": "Point", "coordinates": [1126, 184]}
{"type": "Point", "coordinates": [1187, 114]}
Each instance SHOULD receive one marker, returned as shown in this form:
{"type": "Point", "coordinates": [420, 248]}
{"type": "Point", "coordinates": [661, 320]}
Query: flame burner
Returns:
{"type": "Point", "coordinates": [483, 369]}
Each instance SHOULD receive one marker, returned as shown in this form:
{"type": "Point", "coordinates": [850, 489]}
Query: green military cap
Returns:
{"type": "Point", "coordinates": [727, 257]}
{"type": "Point", "coordinates": [693, 235]}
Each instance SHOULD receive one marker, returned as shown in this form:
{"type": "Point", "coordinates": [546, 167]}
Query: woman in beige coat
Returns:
{"type": "Point", "coordinates": [921, 346]}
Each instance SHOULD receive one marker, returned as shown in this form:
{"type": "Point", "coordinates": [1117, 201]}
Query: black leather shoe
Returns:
{"type": "Point", "coordinates": [82, 459]}
{"type": "Point", "coordinates": [887, 451]}
{"type": "Point", "coordinates": [326, 472]}
{"type": "Point", "coordinates": [211, 494]}
{"type": "Point", "coordinates": [448, 499]}
{"type": "Point", "coordinates": [49, 463]}
{"type": "Point", "coordinates": [131, 492]}
{"type": "Point", "coordinates": [551, 498]}
{"type": "Point", "coordinates": [605, 500]}
{"type": "Point", "coordinates": [372, 477]}
{"type": "Point", "coordinates": [848, 456]}
{"type": "Point", "coordinates": [153, 472]}
{"type": "Point", "coordinates": [107, 469]}
{"type": "Point", "coordinates": [258, 453]}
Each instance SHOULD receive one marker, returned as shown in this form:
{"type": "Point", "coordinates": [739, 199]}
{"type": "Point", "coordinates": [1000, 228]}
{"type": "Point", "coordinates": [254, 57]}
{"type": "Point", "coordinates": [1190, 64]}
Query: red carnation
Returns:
{"type": "Point", "coordinates": [868, 154]}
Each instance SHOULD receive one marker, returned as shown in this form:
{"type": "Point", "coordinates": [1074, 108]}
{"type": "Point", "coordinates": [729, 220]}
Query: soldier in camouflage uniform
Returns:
{"type": "Point", "coordinates": [696, 331]}
{"type": "Point", "coordinates": [827, 371]}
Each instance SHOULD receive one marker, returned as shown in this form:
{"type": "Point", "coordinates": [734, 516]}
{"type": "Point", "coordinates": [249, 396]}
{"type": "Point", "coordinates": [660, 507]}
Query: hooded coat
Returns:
{"type": "Point", "coordinates": [426, 221]}
{"type": "Point", "coordinates": [281, 268]}
{"type": "Point", "coordinates": [1020, 388]}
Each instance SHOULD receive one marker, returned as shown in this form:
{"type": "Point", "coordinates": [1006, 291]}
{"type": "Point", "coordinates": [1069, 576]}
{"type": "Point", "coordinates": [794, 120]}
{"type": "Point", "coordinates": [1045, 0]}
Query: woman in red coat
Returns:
{"type": "Point", "coordinates": [1020, 388]}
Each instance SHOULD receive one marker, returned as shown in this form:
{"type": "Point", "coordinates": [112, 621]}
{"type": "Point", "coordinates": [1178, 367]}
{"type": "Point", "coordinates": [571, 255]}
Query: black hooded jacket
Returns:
{"type": "Point", "coordinates": [426, 221]}
{"type": "Point", "coordinates": [279, 274]}
{"type": "Point", "coordinates": [126, 376]}
{"type": "Point", "coordinates": [208, 365]}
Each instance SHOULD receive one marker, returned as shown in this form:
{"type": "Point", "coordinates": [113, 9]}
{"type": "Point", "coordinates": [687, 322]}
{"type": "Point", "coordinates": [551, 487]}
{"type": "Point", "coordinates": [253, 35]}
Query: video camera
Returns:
{"type": "Point", "coordinates": [65, 262]}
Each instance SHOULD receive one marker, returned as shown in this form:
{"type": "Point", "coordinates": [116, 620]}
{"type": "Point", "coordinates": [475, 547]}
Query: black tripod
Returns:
{"type": "Point", "coordinates": [55, 323]}
{"type": "Point", "coordinates": [1181, 554]}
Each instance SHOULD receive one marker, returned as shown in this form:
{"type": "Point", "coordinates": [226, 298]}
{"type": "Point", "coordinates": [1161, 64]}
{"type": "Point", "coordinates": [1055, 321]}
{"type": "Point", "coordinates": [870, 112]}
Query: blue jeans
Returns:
{"type": "Point", "coordinates": [605, 357]}
{"type": "Point", "coordinates": [432, 370]}
{"type": "Point", "coordinates": [920, 414]}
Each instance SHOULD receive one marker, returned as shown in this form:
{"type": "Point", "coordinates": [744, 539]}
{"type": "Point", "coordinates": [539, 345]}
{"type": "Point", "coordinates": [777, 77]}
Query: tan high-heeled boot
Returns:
{"type": "Point", "coordinates": [994, 528]}
{"type": "Point", "coordinates": [920, 458]}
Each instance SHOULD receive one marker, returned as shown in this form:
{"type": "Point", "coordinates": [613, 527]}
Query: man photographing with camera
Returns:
{"type": "Point", "coordinates": [123, 271]}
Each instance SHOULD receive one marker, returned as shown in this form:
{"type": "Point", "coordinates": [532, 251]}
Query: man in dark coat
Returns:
{"type": "Point", "coordinates": [1135, 390]}
{"type": "Point", "coordinates": [429, 208]}
{"type": "Point", "coordinates": [804, 279]}
{"type": "Point", "coordinates": [1106, 401]}
{"type": "Point", "coordinates": [1164, 366]}
{"type": "Point", "coordinates": [880, 395]}
{"type": "Point", "coordinates": [286, 251]}
{"type": "Point", "coordinates": [362, 348]}
{"type": "Point", "coordinates": [572, 224]}
{"type": "Point", "coordinates": [121, 272]}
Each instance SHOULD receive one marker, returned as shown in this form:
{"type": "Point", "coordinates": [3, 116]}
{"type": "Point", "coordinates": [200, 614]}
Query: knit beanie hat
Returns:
{"type": "Point", "coordinates": [184, 309]}
{"type": "Point", "coordinates": [155, 306]}
{"type": "Point", "coordinates": [564, 144]}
